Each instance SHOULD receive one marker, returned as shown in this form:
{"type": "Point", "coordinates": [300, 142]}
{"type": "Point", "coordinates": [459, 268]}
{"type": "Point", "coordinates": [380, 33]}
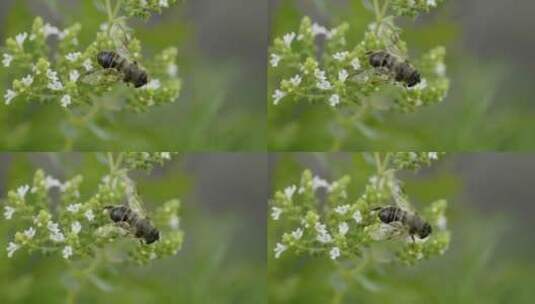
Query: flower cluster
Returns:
{"type": "Point", "coordinates": [338, 74]}
{"type": "Point", "coordinates": [146, 160]}
{"type": "Point", "coordinates": [414, 160]}
{"type": "Point", "coordinates": [144, 8]}
{"type": "Point", "coordinates": [413, 8]}
{"type": "Point", "coordinates": [73, 77]}
{"type": "Point", "coordinates": [77, 227]}
{"type": "Point", "coordinates": [343, 227]}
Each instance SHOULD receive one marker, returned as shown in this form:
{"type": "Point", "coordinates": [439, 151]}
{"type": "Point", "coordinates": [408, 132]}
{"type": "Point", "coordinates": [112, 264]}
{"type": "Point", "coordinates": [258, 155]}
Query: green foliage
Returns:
{"type": "Point", "coordinates": [82, 229]}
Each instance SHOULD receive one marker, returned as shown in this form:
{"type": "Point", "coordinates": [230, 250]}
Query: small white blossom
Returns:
{"type": "Point", "coordinates": [55, 86]}
{"type": "Point", "coordinates": [355, 63]}
{"type": "Point", "coordinates": [172, 70]}
{"type": "Point", "coordinates": [57, 237]}
{"type": "Point", "coordinates": [29, 233]}
{"type": "Point", "coordinates": [65, 101]}
{"type": "Point", "coordinates": [73, 208]}
{"type": "Point", "coordinates": [289, 191]}
{"type": "Point", "coordinates": [51, 182]}
{"type": "Point", "coordinates": [8, 212]}
{"type": "Point", "coordinates": [275, 59]}
{"type": "Point", "coordinates": [343, 228]}
{"type": "Point", "coordinates": [89, 215]}
{"type": "Point", "coordinates": [11, 248]}
{"type": "Point", "coordinates": [279, 249]}
{"type": "Point", "coordinates": [174, 222]}
{"type": "Point", "coordinates": [288, 39]}
{"type": "Point", "coordinates": [324, 85]}
{"type": "Point", "coordinates": [440, 69]}
{"type": "Point", "coordinates": [7, 60]}
{"type": "Point", "coordinates": [276, 213]}
{"type": "Point", "coordinates": [296, 80]}
{"type": "Point", "coordinates": [341, 56]}
{"type": "Point", "coordinates": [277, 96]}
{"type": "Point", "coordinates": [74, 75]}
{"type": "Point", "coordinates": [323, 235]}
{"type": "Point", "coordinates": [10, 94]}
{"type": "Point", "coordinates": [153, 85]}
{"type": "Point", "coordinates": [50, 30]}
{"type": "Point", "coordinates": [334, 100]}
{"type": "Point", "coordinates": [420, 86]}
{"type": "Point", "coordinates": [433, 155]}
{"type": "Point", "coordinates": [76, 227]}
{"type": "Point", "coordinates": [67, 252]}
{"type": "Point", "coordinates": [72, 57]}
{"type": "Point", "coordinates": [318, 182]}
{"type": "Point", "coordinates": [357, 216]}
{"type": "Point", "coordinates": [22, 190]}
{"type": "Point", "coordinates": [297, 233]}
{"type": "Point", "coordinates": [319, 30]}
{"type": "Point", "coordinates": [343, 209]}
{"type": "Point", "coordinates": [163, 3]}
{"type": "Point", "coordinates": [20, 38]}
{"type": "Point", "coordinates": [442, 222]}
{"type": "Point", "coordinates": [88, 65]}
{"type": "Point", "coordinates": [334, 253]}
{"type": "Point", "coordinates": [342, 75]}
{"type": "Point", "coordinates": [27, 80]}
{"type": "Point", "coordinates": [432, 3]}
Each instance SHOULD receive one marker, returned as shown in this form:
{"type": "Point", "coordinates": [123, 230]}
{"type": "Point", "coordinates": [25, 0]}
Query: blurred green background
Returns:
{"type": "Point", "coordinates": [222, 46]}
{"type": "Point", "coordinates": [223, 217]}
{"type": "Point", "coordinates": [490, 209]}
{"type": "Point", "coordinates": [490, 62]}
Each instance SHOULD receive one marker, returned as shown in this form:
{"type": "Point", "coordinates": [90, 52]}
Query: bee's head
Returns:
{"type": "Point", "coordinates": [104, 59]}
{"type": "Point", "coordinates": [414, 79]}
{"type": "Point", "coordinates": [425, 231]}
{"type": "Point", "coordinates": [376, 58]}
{"type": "Point", "coordinates": [152, 236]}
{"type": "Point", "coordinates": [142, 80]}
{"type": "Point", "coordinates": [117, 214]}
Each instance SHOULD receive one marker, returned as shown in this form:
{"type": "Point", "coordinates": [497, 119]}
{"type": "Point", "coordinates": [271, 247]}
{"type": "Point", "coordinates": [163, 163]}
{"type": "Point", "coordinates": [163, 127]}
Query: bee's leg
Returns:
{"type": "Point", "coordinates": [413, 240]}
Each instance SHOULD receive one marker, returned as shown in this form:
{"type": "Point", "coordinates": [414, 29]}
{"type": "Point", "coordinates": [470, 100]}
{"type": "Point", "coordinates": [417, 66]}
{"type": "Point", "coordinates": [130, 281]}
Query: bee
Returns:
{"type": "Point", "coordinates": [403, 71]}
{"type": "Point", "coordinates": [131, 71]}
{"type": "Point", "coordinates": [413, 222]}
{"type": "Point", "coordinates": [142, 227]}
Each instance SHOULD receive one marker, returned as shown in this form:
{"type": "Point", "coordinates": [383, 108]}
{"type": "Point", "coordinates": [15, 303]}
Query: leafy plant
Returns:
{"type": "Point", "coordinates": [316, 64]}
{"type": "Point", "coordinates": [68, 74]}
{"type": "Point", "coordinates": [348, 230]}
{"type": "Point", "coordinates": [51, 218]}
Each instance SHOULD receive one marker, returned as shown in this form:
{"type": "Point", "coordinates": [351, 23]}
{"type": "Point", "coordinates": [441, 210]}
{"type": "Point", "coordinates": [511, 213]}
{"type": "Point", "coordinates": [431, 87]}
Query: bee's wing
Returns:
{"type": "Point", "coordinates": [390, 231]}
{"type": "Point", "coordinates": [133, 199]}
{"type": "Point", "coordinates": [101, 76]}
{"type": "Point", "coordinates": [400, 198]}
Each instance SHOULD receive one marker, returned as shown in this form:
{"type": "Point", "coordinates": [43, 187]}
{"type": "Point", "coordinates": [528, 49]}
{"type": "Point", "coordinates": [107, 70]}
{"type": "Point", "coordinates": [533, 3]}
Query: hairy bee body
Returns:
{"type": "Point", "coordinates": [403, 71]}
{"type": "Point", "coordinates": [142, 226]}
{"type": "Point", "coordinates": [131, 71]}
{"type": "Point", "coordinates": [416, 225]}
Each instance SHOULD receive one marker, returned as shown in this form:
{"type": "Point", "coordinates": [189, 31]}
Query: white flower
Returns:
{"type": "Point", "coordinates": [88, 65]}
{"type": "Point", "coordinates": [10, 94]}
{"type": "Point", "coordinates": [296, 80]}
{"type": "Point", "coordinates": [342, 75]}
{"type": "Point", "coordinates": [53, 227]}
{"type": "Point", "coordinates": [21, 38]}
{"type": "Point", "coordinates": [57, 237]}
{"type": "Point", "coordinates": [381, 232]}
{"type": "Point", "coordinates": [50, 30]}
{"type": "Point", "coordinates": [7, 60]}
{"type": "Point", "coordinates": [27, 80]}
{"type": "Point", "coordinates": [289, 191]}
{"type": "Point", "coordinates": [153, 85]}
{"type": "Point", "coordinates": [297, 233]}
{"type": "Point", "coordinates": [276, 213]}
{"type": "Point", "coordinates": [72, 57]}
{"type": "Point", "coordinates": [288, 38]}
{"type": "Point", "coordinates": [433, 155]}
{"type": "Point", "coordinates": [11, 248]}
{"type": "Point", "coordinates": [324, 85]}
{"type": "Point", "coordinates": [279, 249]}
{"type": "Point", "coordinates": [343, 228]}
{"type": "Point", "coordinates": [440, 69]}
{"type": "Point", "coordinates": [22, 190]}
{"type": "Point", "coordinates": [8, 212]}
{"type": "Point", "coordinates": [320, 75]}
{"type": "Point", "coordinates": [76, 227]}
{"type": "Point", "coordinates": [323, 235]}
{"type": "Point", "coordinates": [275, 60]}
{"type": "Point", "coordinates": [67, 252]}
{"type": "Point", "coordinates": [355, 63]}
{"type": "Point", "coordinates": [65, 101]}
{"type": "Point", "coordinates": [51, 182]}
{"type": "Point", "coordinates": [318, 182]}
{"type": "Point", "coordinates": [357, 216]}
{"type": "Point", "coordinates": [343, 209]}
{"type": "Point", "coordinates": [29, 233]}
{"type": "Point", "coordinates": [442, 222]}
{"type": "Point", "coordinates": [73, 208]}
{"type": "Point", "coordinates": [334, 100]}
{"type": "Point", "coordinates": [340, 56]}
{"type": "Point", "coordinates": [319, 30]}
{"type": "Point", "coordinates": [334, 253]}
{"type": "Point", "coordinates": [89, 215]}
{"type": "Point", "coordinates": [163, 3]}
{"type": "Point", "coordinates": [74, 75]}
{"type": "Point", "coordinates": [432, 3]}
{"type": "Point", "coordinates": [55, 86]}
{"type": "Point", "coordinates": [420, 86]}
{"type": "Point", "coordinates": [277, 96]}
{"type": "Point", "coordinates": [174, 222]}
{"type": "Point", "coordinates": [172, 70]}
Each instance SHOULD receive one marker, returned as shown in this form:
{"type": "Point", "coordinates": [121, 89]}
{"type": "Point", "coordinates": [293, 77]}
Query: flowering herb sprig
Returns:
{"type": "Point", "coordinates": [348, 229]}
{"type": "Point", "coordinates": [341, 75]}
{"type": "Point", "coordinates": [77, 226]}
{"type": "Point", "coordinates": [70, 75]}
